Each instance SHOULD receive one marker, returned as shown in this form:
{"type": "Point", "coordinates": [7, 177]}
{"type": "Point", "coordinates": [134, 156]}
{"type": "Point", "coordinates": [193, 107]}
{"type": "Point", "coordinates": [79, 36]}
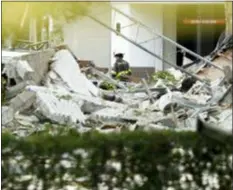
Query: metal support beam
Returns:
{"type": "Point", "coordinates": [149, 52]}
{"type": "Point", "coordinates": [167, 39]}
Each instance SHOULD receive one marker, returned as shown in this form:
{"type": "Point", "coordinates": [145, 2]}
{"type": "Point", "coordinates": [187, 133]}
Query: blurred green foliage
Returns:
{"type": "Point", "coordinates": [130, 160]}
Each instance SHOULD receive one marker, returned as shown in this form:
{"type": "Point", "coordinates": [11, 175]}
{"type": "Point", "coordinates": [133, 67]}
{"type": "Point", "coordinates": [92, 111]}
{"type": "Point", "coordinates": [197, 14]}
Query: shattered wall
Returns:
{"type": "Point", "coordinates": [39, 61]}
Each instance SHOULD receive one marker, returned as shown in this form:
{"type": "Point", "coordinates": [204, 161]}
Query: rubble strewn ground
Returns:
{"type": "Point", "coordinates": [74, 96]}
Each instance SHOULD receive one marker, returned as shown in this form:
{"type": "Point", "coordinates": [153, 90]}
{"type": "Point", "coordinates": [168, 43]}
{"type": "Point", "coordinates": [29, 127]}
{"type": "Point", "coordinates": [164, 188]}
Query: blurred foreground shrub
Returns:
{"type": "Point", "coordinates": [130, 161]}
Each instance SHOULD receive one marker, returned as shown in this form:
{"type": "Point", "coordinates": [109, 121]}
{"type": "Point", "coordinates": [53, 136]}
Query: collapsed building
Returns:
{"type": "Point", "coordinates": [69, 93]}
{"type": "Point", "coordinates": [53, 86]}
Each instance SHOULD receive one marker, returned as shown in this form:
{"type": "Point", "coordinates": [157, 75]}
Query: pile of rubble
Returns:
{"type": "Point", "coordinates": [71, 94]}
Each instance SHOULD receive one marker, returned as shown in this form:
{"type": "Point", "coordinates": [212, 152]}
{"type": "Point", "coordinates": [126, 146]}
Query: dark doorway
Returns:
{"type": "Point", "coordinates": [200, 38]}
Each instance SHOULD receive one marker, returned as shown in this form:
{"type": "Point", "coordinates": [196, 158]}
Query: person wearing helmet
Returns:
{"type": "Point", "coordinates": [121, 67]}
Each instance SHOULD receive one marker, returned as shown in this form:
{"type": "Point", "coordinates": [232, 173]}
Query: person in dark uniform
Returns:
{"type": "Point", "coordinates": [121, 67]}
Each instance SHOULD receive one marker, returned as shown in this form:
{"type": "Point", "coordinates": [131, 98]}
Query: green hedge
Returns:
{"type": "Point", "coordinates": [139, 160]}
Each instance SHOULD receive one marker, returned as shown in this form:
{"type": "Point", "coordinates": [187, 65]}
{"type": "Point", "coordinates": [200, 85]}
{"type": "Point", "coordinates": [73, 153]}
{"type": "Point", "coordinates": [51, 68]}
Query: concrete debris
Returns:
{"type": "Point", "coordinates": [225, 118]}
{"type": "Point", "coordinates": [218, 128]}
{"type": "Point", "coordinates": [26, 65]}
{"type": "Point", "coordinates": [218, 93]}
{"type": "Point", "coordinates": [72, 96]}
{"type": "Point", "coordinates": [25, 120]}
{"type": "Point", "coordinates": [7, 114]}
{"type": "Point", "coordinates": [228, 73]}
{"type": "Point", "coordinates": [22, 101]}
{"type": "Point", "coordinates": [18, 88]}
{"type": "Point", "coordinates": [166, 102]}
{"type": "Point", "coordinates": [61, 110]}
{"type": "Point", "coordinates": [71, 76]}
{"type": "Point", "coordinates": [176, 73]}
{"type": "Point", "coordinates": [23, 68]}
{"type": "Point", "coordinates": [227, 96]}
{"type": "Point", "coordinates": [19, 70]}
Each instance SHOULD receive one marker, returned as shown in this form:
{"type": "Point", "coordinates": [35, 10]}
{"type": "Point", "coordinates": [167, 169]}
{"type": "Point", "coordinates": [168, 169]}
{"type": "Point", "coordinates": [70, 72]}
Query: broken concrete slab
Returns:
{"type": "Point", "coordinates": [176, 73]}
{"type": "Point", "coordinates": [99, 102]}
{"type": "Point", "coordinates": [228, 74]}
{"type": "Point", "coordinates": [62, 111]}
{"type": "Point", "coordinates": [7, 115]}
{"type": "Point", "coordinates": [144, 105]}
{"type": "Point", "coordinates": [165, 103]}
{"type": "Point", "coordinates": [22, 101]}
{"type": "Point", "coordinates": [38, 61]}
{"type": "Point", "coordinates": [197, 88]}
{"type": "Point", "coordinates": [188, 123]}
{"type": "Point", "coordinates": [108, 114]}
{"type": "Point", "coordinates": [201, 99]}
{"type": "Point", "coordinates": [31, 118]}
{"type": "Point", "coordinates": [215, 130]}
{"type": "Point", "coordinates": [191, 102]}
{"type": "Point", "coordinates": [135, 115]}
{"type": "Point", "coordinates": [225, 118]}
{"type": "Point", "coordinates": [9, 55]}
{"type": "Point", "coordinates": [166, 121]}
{"type": "Point", "coordinates": [14, 90]}
{"type": "Point", "coordinates": [90, 107]}
{"type": "Point", "coordinates": [218, 93]}
{"type": "Point", "coordinates": [22, 68]}
{"type": "Point", "coordinates": [226, 97]}
{"type": "Point", "coordinates": [25, 120]}
{"type": "Point", "coordinates": [72, 76]}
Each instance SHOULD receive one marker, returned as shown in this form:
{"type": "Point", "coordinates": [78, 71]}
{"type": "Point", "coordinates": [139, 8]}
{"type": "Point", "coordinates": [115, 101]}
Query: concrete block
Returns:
{"type": "Point", "coordinates": [59, 110]}
{"type": "Point", "coordinates": [7, 114]}
{"type": "Point", "coordinates": [71, 75]}
{"type": "Point", "coordinates": [23, 101]}
{"type": "Point", "coordinates": [15, 90]}
{"type": "Point", "coordinates": [38, 61]}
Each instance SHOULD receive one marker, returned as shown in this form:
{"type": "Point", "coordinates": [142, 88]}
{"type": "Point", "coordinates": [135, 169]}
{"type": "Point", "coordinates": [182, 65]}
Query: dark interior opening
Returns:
{"type": "Point", "coordinates": [202, 38]}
